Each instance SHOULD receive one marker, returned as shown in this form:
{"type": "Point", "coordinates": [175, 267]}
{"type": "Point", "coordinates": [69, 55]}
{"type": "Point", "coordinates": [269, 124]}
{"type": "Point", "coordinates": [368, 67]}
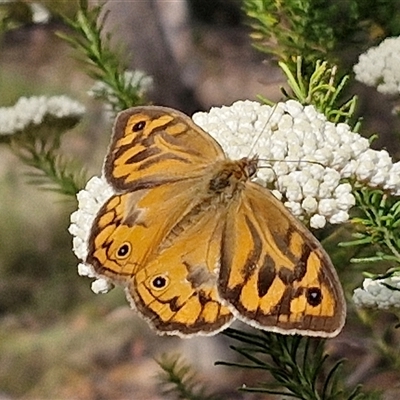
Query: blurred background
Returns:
{"type": "Point", "coordinates": [58, 340]}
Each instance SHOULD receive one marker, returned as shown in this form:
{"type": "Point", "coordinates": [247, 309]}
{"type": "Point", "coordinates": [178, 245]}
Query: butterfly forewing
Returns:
{"type": "Point", "coordinates": [274, 273]}
{"type": "Point", "coordinates": [130, 227]}
{"type": "Point", "coordinates": [156, 145]}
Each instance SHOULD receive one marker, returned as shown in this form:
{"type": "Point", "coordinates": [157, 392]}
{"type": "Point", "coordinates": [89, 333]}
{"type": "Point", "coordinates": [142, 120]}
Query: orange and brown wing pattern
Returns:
{"type": "Point", "coordinates": [110, 240]}
{"type": "Point", "coordinates": [177, 290]}
{"type": "Point", "coordinates": [155, 145]}
{"type": "Point", "coordinates": [274, 273]}
{"type": "Point", "coordinates": [130, 227]}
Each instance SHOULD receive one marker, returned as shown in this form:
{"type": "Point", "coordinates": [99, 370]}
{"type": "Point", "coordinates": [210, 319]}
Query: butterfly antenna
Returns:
{"type": "Point", "coordinates": [257, 138]}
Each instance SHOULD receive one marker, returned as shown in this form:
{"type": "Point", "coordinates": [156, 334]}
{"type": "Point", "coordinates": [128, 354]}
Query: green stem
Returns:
{"type": "Point", "coordinates": [51, 171]}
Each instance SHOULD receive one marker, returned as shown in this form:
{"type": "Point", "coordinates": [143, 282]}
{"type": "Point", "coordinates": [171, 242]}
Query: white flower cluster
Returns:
{"type": "Point", "coordinates": [379, 66]}
{"type": "Point", "coordinates": [137, 79]}
{"type": "Point", "coordinates": [31, 111]}
{"type": "Point", "coordinates": [314, 155]}
{"type": "Point", "coordinates": [90, 200]}
{"type": "Point", "coordinates": [379, 293]}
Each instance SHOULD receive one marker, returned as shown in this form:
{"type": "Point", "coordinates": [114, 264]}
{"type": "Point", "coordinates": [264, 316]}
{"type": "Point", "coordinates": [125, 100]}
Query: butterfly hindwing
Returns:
{"type": "Point", "coordinates": [177, 290]}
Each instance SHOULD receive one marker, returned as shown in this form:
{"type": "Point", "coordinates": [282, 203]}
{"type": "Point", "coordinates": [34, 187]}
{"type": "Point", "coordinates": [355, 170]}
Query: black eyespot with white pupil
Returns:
{"type": "Point", "coordinates": [138, 126]}
{"type": "Point", "coordinates": [124, 250]}
{"type": "Point", "coordinates": [314, 296]}
{"type": "Point", "coordinates": [159, 282]}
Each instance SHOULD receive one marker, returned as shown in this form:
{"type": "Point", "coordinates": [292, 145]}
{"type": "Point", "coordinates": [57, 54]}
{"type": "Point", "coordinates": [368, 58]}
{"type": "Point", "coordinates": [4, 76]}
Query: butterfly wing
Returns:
{"type": "Point", "coordinates": [130, 227]}
{"type": "Point", "coordinates": [177, 290]}
{"type": "Point", "coordinates": [274, 273]}
{"type": "Point", "coordinates": [159, 243]}
{"type": "Point", "coordinates": [155, 145]}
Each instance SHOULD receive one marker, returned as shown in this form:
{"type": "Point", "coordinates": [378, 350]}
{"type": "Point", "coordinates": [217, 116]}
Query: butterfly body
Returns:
{"type": "Point", "coordinates": [197, 243]}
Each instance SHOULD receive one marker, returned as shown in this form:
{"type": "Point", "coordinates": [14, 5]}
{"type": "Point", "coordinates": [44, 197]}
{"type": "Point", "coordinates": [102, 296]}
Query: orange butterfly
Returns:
{"type": "Point", "coordinates": [196, 243]}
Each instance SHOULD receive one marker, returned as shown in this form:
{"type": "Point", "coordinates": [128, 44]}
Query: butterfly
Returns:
{"type": "Point", "coordinates": [197, 244]}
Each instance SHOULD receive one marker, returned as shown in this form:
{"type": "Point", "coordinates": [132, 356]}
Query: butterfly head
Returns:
{"type": "Point", "coordinates": [249, 166]}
